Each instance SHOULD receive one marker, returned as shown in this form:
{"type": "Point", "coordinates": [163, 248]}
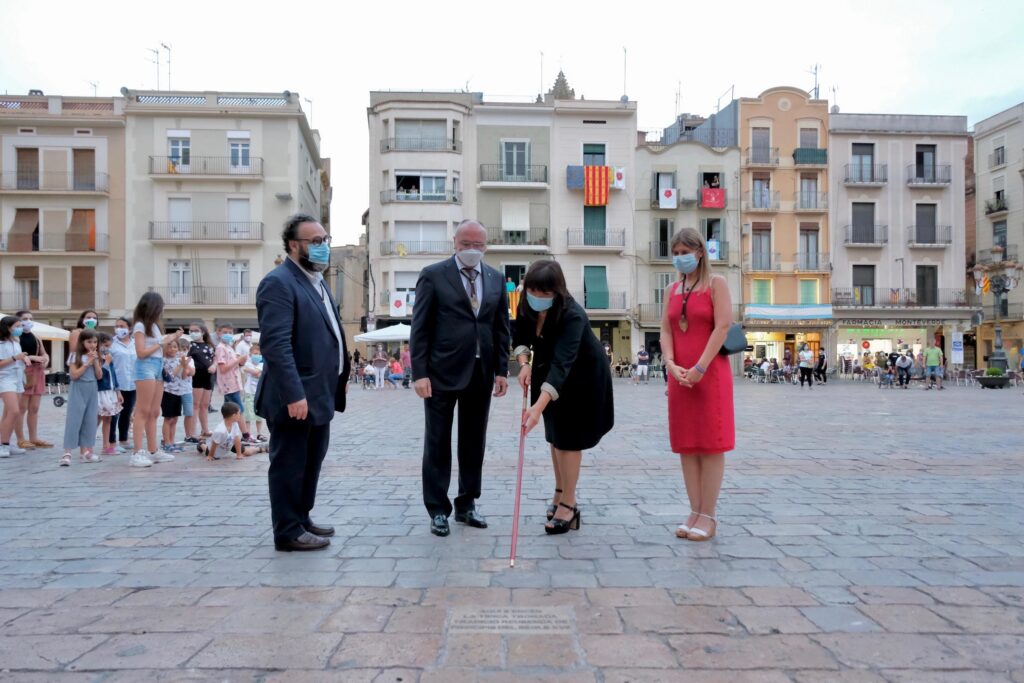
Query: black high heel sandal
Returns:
{"type": "Point", "coordinates": [553, 507]}
{"type": "Point", "coordinates": [561, 526]}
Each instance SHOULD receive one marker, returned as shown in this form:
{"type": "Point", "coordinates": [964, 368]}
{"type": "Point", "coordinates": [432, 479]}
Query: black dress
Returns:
{"type": "Point", "coordinates": [201, 354]}
{"type": "Point", "coordinates": [568, 357]}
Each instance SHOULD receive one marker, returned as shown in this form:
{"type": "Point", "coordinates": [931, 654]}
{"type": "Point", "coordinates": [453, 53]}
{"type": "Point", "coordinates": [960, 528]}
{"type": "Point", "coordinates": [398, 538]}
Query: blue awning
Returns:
{"type": "Point", "coordinates": [788, 312]}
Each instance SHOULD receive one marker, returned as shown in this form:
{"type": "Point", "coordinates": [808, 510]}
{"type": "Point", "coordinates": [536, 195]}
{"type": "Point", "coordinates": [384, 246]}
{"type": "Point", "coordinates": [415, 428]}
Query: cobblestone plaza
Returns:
{"type": "Point", "coordinates": [866, 535]}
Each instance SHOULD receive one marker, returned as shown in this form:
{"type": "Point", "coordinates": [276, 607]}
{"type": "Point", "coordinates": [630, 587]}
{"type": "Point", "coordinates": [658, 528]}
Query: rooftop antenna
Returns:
{"type": "Point", "coordinates": [624, 55]}
{"type": "Point", "coordinates": [816, 69]}
{"type": "Point", "coordinates": [835, 97]}
{"type": "Point", "coordinates": [157, 62]}
{"type": "Point", "coordinates": [168, 48]}
{"type": "Point", "coordinates": [95, 85]}
{"type": "Point", "coordinates": [679, 94]}
{"type": "Point", "coordinates": [310, 110]}
{"type": "Point", "coordinates": [541, 72]}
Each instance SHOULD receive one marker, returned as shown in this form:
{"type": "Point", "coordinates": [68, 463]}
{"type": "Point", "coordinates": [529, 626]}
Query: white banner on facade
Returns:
{"type": "Point", "coordinates": [957, 349]}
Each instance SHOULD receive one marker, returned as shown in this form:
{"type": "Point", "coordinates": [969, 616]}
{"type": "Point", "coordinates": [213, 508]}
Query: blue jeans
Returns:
{"type": "Point", "coordinates": [234, 397]}
{"type": "Point", "coordinates": [186, 406]}
{"type": "Point", "coordinates": [149, 368]}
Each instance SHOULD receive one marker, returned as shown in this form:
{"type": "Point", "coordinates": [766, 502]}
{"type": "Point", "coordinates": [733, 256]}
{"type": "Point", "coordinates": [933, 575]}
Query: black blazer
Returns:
{"type": "Point", "coordinates": [445, 333]}
{"type": "Point", "coordinates": [299, 347]}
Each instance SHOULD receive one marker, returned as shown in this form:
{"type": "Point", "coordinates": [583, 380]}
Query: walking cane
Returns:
{"type": "Point", "coordinates": [519, 482]}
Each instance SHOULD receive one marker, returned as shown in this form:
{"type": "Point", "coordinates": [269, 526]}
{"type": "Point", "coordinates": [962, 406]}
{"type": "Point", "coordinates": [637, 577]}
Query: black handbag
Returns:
{"type": "Point", "coordinates": [735, 341]}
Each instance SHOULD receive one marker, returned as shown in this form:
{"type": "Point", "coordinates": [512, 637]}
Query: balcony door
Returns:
{"type": "Point", "coordinates": [661, 283]}
{"type": "Point", "coordinates": [864, 285]}
{"type": "Point", "coordinates": [238, 157]}
{"type": "Point", "coordinates": [924, 163]}
{"type": "Point", "coordinates": [595, 287]}
{"type": "Point", "coordinates": [180, 152]}
{"type": "Point", "coordinates": [760, 145]}
{"type": "Point", "coordinates": [84, 163]}
{"type": "Point", "coordinates": [761, 249]}
{"type": "Point", "coordinates": [28, 168]}
{"type": "Point", "coordinates": [594, 226]}
{"type": "Point", "coordinates": [179, 282]}
{"type": "Point", "coordinates": [927, 285]}
{"type": "Point", "coordinates": [924, 229]}
{"type": "Point", "coordinates": [863, 223]}
{"type": "Point", "coordinates": [809, 191]}
{"type": "Point", "coordinates": [179, 218]}
{"type": "Point", "coordinates": [862, 162]}
{"type": "Point", "coordinates": [515, 157]}
{"type": "Point", "coordinates": [238, 282]}
{"type": "Point", "coordinates": [239, 226]}
{"type": "Point", "coordinates": [808, 255]}
{"type": "Point", "coordinates": [999, 234]}
{"type": "Point", "coordinates": [762, 191]}
{"type": "Point", "coordinates": [666, 229]}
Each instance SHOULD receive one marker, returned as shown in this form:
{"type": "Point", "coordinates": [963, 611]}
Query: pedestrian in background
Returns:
{"type": "Point", "coordinates": [694, 325]}
{"type": "Point", "coordinates": [12, 364]}
{"type": "Point", "coordinates": [903, 366]}
{"type": "Point", "coordinates": [806, 360]}
{"type": "Point", "coordinates": [109, 401]}
{"type": "Point", "coordinates": [202, 353]}
{"type": "Point", "coordinates": [35, 384]}
{"type": "Point", "coordinates": [821, 367]}
{"type": "Point", "coordinates": [87, 320]}
{"type": "Point", "coordinates": [229, 377]}
{"type": "Point", "coordinates": [251, 372]}
{"type": "Point", "coordinates": [122, 351]}
{"type": "Point", "coordinates": [570, 379]}
{"type": "Point", "coordinates": [82, 406]}
{"type": "Point", "coordinates": [149, 378]}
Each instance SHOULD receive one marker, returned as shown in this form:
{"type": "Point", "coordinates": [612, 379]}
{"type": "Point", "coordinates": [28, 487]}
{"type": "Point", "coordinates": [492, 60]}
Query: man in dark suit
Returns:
{"type": "Point", "coordinates": [304, 380]}
{"type": "Point", "coordinates": [459, 344]}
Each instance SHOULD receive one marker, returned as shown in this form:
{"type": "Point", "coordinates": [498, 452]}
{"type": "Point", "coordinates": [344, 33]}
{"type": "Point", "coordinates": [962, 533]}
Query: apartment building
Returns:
{"type": "Point", "coordinates": [436, 158]}
{"type": "Point", "coordinates": [999, 217]}
{"type": "Point", "coordinates": [211, 178]}
{"type": "Point", "coordinates": [62, 206]}
{"type": "Point", "coordinates": [897, 197]}
{"type": "Point", "coordinates": [683, 183]}
{"type": "Point", "coordinates": [785, 230]}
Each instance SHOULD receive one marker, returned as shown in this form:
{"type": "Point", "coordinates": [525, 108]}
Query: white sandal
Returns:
{"type": "Point", "coordinates": [65, 460]}
{"type": "Point", "coordinates": [683, 530]}
{"type": "Point", "coordinates": [699, 535]}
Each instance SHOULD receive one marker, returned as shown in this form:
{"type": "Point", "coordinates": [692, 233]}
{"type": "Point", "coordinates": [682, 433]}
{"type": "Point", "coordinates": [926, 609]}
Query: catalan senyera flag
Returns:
{"type": "Point", "coordinates": [595, 185]}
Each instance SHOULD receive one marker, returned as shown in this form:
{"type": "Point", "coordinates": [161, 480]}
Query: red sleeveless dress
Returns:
{"type": "Point", "coordinates": [700, 419]}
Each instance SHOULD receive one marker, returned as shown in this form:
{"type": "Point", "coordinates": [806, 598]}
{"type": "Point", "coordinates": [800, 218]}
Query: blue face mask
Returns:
{"type": "Point", "coordinates": [17, 332]}
{"type": "Point", "coordinates": [685, 263]}
{"type": "Point", "coordinates": [539, 303]}
{"type": "Point", "coordinates": [320, 254]}
{"type": "Point", "coordinates": [257, 359]}
{"type": "Point", "coordinates": [227, 338]}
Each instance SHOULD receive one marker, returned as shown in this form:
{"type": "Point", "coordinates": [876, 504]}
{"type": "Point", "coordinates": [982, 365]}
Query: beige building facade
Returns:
{"type": "Point", "coordinates": [62, 206]}
{"type": "Point", "coordinates": [211, 178]}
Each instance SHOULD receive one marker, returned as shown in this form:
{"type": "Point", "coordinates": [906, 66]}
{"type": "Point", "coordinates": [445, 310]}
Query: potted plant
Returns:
{"type": "Point", "coordinates": [994, 378]}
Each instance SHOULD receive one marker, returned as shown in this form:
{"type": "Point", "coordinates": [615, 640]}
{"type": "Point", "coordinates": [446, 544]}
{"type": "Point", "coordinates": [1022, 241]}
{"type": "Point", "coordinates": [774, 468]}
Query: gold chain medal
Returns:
{"type": "Point", "coordinates": [683, 325]}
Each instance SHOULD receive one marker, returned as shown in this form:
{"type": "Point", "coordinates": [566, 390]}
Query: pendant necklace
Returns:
{"type": "Point", "coordinates": [683, 325]}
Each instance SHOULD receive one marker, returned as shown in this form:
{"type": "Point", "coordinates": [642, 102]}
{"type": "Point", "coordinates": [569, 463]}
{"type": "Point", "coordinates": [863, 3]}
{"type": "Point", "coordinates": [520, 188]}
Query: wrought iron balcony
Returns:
{"type": "Point", "coordinates": [996, 207]}
{"type": "Point", "coordinates": [812, 261]}
{"type": "Point", "coordinates": [764, 200]}
{"type": "Point", "coordinates": [205, 231]}
{"type": "Point", "coordinates": [413, 247]}
{"type": "Point", "coordinates": [200, 295]}
{"type": "Point", "coordinates": [649, 314]}
{"type": "Point", "coordinates": [711, 197]}
{"type": "Point", "coordinates": [402, 196]}
{"type": "Point", "coordinates": [54, 181]}
{"type": "Point", "coordinates": [56, 243]}
{"type": "Point", "coordinates": [56, 301]}
{"type": "Point", "coordinates": [763, 263]}
{"type": "Point", "coordinates": [587, 239]}
{"type": "Point", "coordinates": [527, 237]}
{"type": "Point", "coordinates": [601, 301]}
{"type": "Point", "coordinates": [810, 202]}
{"type": "Point", "coordinates": [810, 156]}
{"type": "Point", "coordinates": [418, 144]}
{"type": "Point", "coordinates": [997, 158]}
{"type": "Point", "coordinates": [501, 173]}
{"type": "Point", "coordinates": [929, 235]}
{"type": "Point", "coordinates": [998, 254]}
{"type": "Point", "coordinates": [660, 251]}
{"type": "Point", "coordinates": [897, 297]}
{"type": "Point", "coordinates": [865, 174]}
{"type": "Point", "coordinates": [761, 156]}
{"type": "Point", "coordinates": [929, 175]}
{"type": "Point", "coordinates": [192, 165]}
{"type": "Point", "coordinates": [866, 235]}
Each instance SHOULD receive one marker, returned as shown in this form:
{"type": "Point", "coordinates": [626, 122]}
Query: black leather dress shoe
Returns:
{"type": "Point", "coordinates": [439, 526]}
{"type": "Point", "coordinates": [471, 518]}
{"type": "Point", "coordinates": [306, 541]}
{"type": "Point", "coordinates": [318, 530]}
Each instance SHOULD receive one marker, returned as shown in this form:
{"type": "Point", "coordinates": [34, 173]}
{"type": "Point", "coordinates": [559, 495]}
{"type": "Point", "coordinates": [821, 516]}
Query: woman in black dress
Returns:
{"type": "Point", "coordinates": [570, 378]}
{"type": "Point", "coordinates": [201, 352]}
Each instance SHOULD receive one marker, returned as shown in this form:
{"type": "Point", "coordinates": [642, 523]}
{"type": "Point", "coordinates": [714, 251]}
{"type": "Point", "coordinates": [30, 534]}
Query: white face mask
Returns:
{"type": "Point", "coordinates": [470, 257]}
{"type": "Point", "coordinates": [121, 332]}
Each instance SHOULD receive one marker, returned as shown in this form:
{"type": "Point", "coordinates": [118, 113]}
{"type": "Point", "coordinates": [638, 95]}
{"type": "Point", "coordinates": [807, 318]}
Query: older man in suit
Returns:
{"type": "Point", "coordinates": [305, 373]}
{"type": "Point", "coordinates": [459, 343]}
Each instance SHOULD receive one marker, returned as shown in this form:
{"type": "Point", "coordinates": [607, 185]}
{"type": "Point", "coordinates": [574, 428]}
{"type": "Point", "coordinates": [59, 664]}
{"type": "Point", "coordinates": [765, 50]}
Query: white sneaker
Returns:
{"type": "Point", "coordinates": [161, 456]}
{"type": "Point", "coordinates": [5, 451]}
{"type": "Point", "coordinates": [15, 449]}
{"type": "Point", "coordinates": [139, 459]}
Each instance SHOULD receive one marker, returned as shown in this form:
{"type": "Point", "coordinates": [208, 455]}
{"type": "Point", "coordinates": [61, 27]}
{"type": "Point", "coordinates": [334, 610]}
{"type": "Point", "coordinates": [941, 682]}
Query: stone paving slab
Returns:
{"type": "Point", "coordinates": [866, 537]}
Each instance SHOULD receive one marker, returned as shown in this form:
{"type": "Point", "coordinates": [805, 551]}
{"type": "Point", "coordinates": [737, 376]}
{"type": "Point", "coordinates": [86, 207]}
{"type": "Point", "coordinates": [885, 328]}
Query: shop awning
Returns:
{"type": "Point", "coordinates": [788, 312]}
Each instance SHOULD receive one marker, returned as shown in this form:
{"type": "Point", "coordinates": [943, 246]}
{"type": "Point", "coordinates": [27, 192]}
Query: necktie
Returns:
{"type": "Point", "coordinates": [471, 276]}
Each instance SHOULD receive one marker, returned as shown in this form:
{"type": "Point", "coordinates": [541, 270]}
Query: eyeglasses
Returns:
{"type": "Point", "coordinates": [316, 241]}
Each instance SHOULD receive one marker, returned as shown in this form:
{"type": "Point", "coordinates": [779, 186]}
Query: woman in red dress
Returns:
{"type": "Point", "coordinates": [694, 325]}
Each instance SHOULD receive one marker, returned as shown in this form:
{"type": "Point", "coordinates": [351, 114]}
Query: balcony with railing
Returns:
{"type": "Point", "coordinates": [866, 175]}
{"type": "Point", "coordinates": [403, 196]}
{"type": "Point", "coordinates": [583, 240]}
{"type": "Point", "coordinates": [761, 156]}
{"type": "Point", "coordinates": [996, 208]}
{"type": "Point", "coordinates": [415, 247]}
{"type": "Point", "coordinates": [810, 202]}
{"type": "Point", "coordinates": [997, 254]}
{"type": "Point", "coordinates": [517, 239]}
{"type": "Point", "coordinates": [811, 261]}
{"type": "Point", "coordinates": [601, 300]}
{"type": "Point", "coordinates": [761, 262]}
{"type": "Point", "coordinates": [658, 194]}
{"type": "Point", "coordinates": [201, 295]}
{"type": "Point", "coordinates": [54, 301]}
{"type": "Point", "coordinates": [56, 243]}
{"type": "Point", "coordinates": [649, 314]}
{"type": "Point", "coordinates": [1004, 311]}
{"type": "Point", "coordinates": [660, 252]}
{"type": "Point", "coordinates": [420, 144]}
{"type": "Point", "coordinates": [54, 181]}
{"type": "Point", "coordinates": [760, 200]}
{"type": "Point", "coordinates": [810, 156]}
{"type": "Point", "coordinates": [866, 296]}
{"type": "Point", "coordinates": [206, 231]}
{"type": "Point", "coordinates": [240, 167]}
{"type": "Point", "coordinates": [929, 175]}
{"type": "Point", "coordinates": [866, 235]}
{"type": "Point", "coordinates": [930, 236]}
{"type": "Point", "coordinates": [513, 175]}
{"type": "Point", "coordinates": [711, 197]}
{"type": "Point", "coordinates": [718, 252]}
{"type": "Point", "coordinates": [997, 158]}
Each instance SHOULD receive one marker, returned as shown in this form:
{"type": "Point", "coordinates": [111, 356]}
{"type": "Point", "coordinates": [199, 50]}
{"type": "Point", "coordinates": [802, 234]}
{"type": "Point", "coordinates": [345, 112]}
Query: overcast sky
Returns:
{"type": "Point", "coordinates": [913, 57]}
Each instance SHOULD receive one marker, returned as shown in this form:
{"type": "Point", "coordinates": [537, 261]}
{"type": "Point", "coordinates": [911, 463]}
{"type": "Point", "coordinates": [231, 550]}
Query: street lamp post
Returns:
{"type": "Point", "coordinates": [1003, 278]}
